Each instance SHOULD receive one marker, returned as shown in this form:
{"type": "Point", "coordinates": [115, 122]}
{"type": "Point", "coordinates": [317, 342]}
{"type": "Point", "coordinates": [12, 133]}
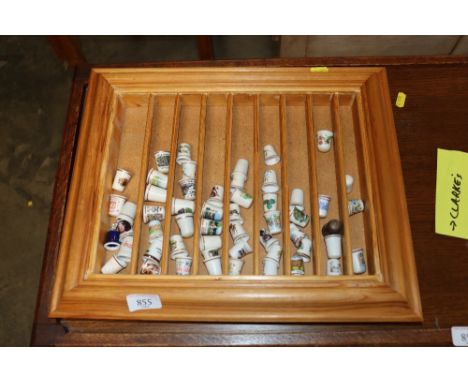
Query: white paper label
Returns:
{"type": "Point", "coordinates": [460, 335]}
{"type": "Point", "coordinates": [143, 302]}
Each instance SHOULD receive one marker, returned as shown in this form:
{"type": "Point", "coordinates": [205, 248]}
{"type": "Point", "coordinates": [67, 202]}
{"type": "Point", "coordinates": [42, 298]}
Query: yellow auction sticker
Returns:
{"type": "Point", "coordinates": [451, 210]}
{"type": "Point", "coordinates": [319, 69]}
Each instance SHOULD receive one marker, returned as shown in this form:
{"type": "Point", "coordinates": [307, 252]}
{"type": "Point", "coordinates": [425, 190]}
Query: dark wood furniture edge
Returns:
{"type": "Point", "coordinates": [45, 330]}
{"type": "Point", "coordinates": [48, 332]}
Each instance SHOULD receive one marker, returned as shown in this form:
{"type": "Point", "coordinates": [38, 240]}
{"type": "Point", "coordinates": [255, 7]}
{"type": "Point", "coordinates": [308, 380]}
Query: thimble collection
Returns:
{"type": "Point", "coordinates": [211, 227]}
{"type": "Point", "coordinates": [239, 198]}
{"type": "Point", "coordinates": [119, 239]}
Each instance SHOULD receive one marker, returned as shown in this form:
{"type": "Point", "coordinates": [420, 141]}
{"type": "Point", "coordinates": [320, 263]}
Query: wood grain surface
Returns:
{"type": "Point", "coordinates": [435, 115]}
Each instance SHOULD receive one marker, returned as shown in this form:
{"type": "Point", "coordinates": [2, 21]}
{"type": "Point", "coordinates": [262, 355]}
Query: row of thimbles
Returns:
{"type": "Point", "coordinates": [272, 215]}
{"type": "Point", "coordinates": [239, 198]}
{"type": "Point", "coordinates": [119, 240]}
{"type": "Point", "coordinates": [299, 219]}
{"type": "Point", "coordinates": [117, 201]}
{"type": "Point", "coordinates": [211, 227]}
{"type": "Point", "coordinates": [333, 233]}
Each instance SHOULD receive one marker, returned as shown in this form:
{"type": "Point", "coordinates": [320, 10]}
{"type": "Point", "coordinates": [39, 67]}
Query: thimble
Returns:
{"type": "Point", "coordinates": [242, 198]}
{"type": "Point", "coordinates": [297, 198]}
{"type": "Point", "coordinates": [270, 183]}
{"type": "Point", "coordinates": [162, 159]}
{"type": "Point", "coordinates": [121, 178]}
{"type": "Point", "coordinates": [355, 206]}
{"type": "Point", "coordinates": [116, 203]}
{"type": "Point", "coordinates": [185, 223]}
{"type": "Point", "coordinates": [334, 267]}
{"type": "Point", "coordinates": [213, 266]}
{"type": "Point", "coordinates": [234, 213]}
{"type": "Point", "coordinates": [324, 203]}
{"type": "Point", "coordinates": [189, 168]}
{"type": "Point", "coordinates": [298, 217]}
{"type": "Point", "coordinates": [216, 195]}
{"type": "Point", "coordinates": [155, 194]}
{"type": "Point", "coordinates": [211, 212]}
{"type": "Point", "coordinates": [235, 266]}
{"type": "Point", "coordinates": [237, 230]}
{"type": "Point", "coordinates": [187, 186]}
{"type": "Point", "coordinates": [155, 229]}
{"type": "Point", "coordinates": [179, 206]}
{"type": "Point", "coordinates": [183, 153]}
{"type": "Point", "coordinates": [151, 212]}
{"type": "Point", "coordinates": [359, 261]}
{"type": "Point", "coordinates": [150, 266]}
{"type": "Point", "coordinates": [128, 212]}
{"type": "Point", "coordinates": [324, 140]}
{"type": "Point", "coordinates": [157, 178]}
{"type": "Point", "coordinates": [273, 219]}
{"type": "Point", "coordinates": [297, 266]}
{"type": "Point", "coordinates": [349, 183]}
{"type": "Point", "coordinates": [296, 235]}
{"type": "Point", "coordinates": [270, 155]}
{"type": "Point", "coordinates": [270, 266]}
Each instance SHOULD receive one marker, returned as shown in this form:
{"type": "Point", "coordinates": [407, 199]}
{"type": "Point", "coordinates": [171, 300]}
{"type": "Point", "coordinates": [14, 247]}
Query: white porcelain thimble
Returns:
{"type": "Point", "coordinates": [157, 178]}
{"type": "Point", "coordinates": [208, 243]}
{"type": "Point", "coordinates": [270, 155]}
{"type": "Point", "coordinates": [275, 252]}
{"type": "Point", "coordinates": [183, 153]}
{"type": "Point", "coordinates": [182, 205]}
{"type": "Point", "coordinates": [185, 223]}
{"type": "Point", "coordinates": [242, 166]}
{"type": "Point", "coordinates": [334, 267]}
{"type": "Point", "coordinates": [237, 251]}
{"type": "Point", "coordinates": [273, 219]}
{"type": "Point", "coordinates": [154, 230]}
{"type": "Point", "coordinates": [355, 206]}
{"type": "Point", "coordinates": [188, 188]}
{"type": "Point", "coordinates": [359, 261]}
{"type": "Point", "coordinates": [213, 266]}
{"type": "Point", "coordinates": [298, 217]}
{"type": "Point", "coordinates": [124, 255]}
{"type": "Point", "coordinates": [121, 178]}
{"type": "Point", "coordinates": [235, 267]}
{"type": "Point", "coordinates": [237, 230]}
{"type": "Point", "coordinates": [162, 159]}
{"type": "Point", "coordinates": [209, 253]}
{"type": "Point", "coordinates": [296, 235]}
{"type": "Point", "coordinates": [155, 194]}
{"type": "Point", "coordinates": [128, 212]}
{"type": "Point", "coordinates": [211, 212]}
{"type": "Point", "coordinates": [116, 203]}
{"type": "Point", "coordinates": [270, 266]}
{"type": "Point", "coordinates": [270, 182]}
{"type": "Point", "coordinates": [324, 140]}
{"type": "Point", "coordinates": [234, 213]}
{"type": "Point", "coordinates": [155, 249]}
{"type": "Point", "coordinates": [297, 197]}
{"type": "Point", "coordinates": [151, 212]}
{"type": "Point", "coordinates": [297, 266]}
{"type": "Point", "coordinates": [183, 265]}
{"type": "Point", "coordinates": [333, 244]}
{"type": "Point", "coordinates": [189, 168]}
{"type": "Point", "coordinates": [324, 203]}
{"type": "Point", "coordinates": [349, 183]}
{"type": "Point", "coordinates": [176, 245]}
{"type": "Point", "coordinates": [242, 198]}
{"type": "Point", "coordinates": [216, 195]}
{"type": "Point", "coordinates": [111, 267]}
{"type": "Point", "coordinates": [238, 180]}
{"type": "Point", "coordinates": [270, 201]}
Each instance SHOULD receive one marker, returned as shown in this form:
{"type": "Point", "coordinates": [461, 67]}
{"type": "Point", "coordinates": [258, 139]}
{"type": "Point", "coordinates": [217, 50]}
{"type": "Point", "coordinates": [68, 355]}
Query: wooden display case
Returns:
{"type": "Point", "coordinates": [227, 114]}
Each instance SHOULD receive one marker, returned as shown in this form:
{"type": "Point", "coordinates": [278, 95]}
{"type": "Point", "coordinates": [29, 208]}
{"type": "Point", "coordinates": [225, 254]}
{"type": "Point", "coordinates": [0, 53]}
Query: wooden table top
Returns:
{"type": "Point", "coordinates": [435, 116]}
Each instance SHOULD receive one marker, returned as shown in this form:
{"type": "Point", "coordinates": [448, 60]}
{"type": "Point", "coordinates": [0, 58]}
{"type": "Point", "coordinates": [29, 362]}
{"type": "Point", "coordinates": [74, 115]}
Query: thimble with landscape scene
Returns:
{"type": "Point", "coordinates": [297, 266]}
{"type": "Point", "coordinates": [355, 206]}
{"type": "Point", "coordinates": [242, 198]}
{"type": "Point", "coordinates": [157, 178]}
{"type": "Point", "coordinates": [155, 229]}
{"type": "Point", "coordinates": [182, 205]}
{"type": "Point", "coordinates": [121, 178]}
{"type": "Point", "coordinates": [187, 185]}
{"type": "Point", "coordinates": [151, 212]}
{"type": "Point", "coordinates": [359, 261]}
{"type": "Point", "coordinates": [209, 253]}
{"type": "Point", "coordinates": [334, 267]}
{"type": "Point", "coordinates": [176, 244]}
{"type": "Point", "coordinates": [150, 266]}
{"type": "Point", "coordinates": [116, 203]}
{"type": "Point", "coordinates": [189, 168]}
{"type": "Point", "coordinates": [298, 217]}
{"type": "Point", "coordinates": [212, 212]}
{"type": "Point", "coordinates": [270, 155]}
{"type": "Point", "coordinates": [183, 153]}
{"type": "Point", "coordinates": [162, 159]}
{"type": "Point", "coordinates": [210, 227]}
{"type": "Point", "coordinates": [270, 182]}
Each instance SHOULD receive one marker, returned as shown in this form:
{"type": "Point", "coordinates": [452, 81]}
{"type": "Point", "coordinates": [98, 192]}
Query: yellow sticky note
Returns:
{"type": "Point", "coordinates": [400, 99]}
{"type": "Point", "coordinates": [319, 69]}
{"type": "Point", "coordinates": [451, 211]}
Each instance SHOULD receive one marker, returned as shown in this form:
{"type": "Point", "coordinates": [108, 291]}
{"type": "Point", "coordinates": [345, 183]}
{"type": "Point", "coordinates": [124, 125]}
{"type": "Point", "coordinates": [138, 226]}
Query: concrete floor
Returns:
{"type": "Point", "coordinates": [34, 91]}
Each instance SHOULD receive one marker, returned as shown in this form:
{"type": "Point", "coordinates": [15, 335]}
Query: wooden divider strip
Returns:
{"type": "Point", "coordinates": [141, 187]}
{"type": "Point", "coordinates": [227, 184]}
{"type": "Point", "coordinates": [285, 187]}
{"type": "Point", "coordinates": [341, 184]}
{"type": "Point", "coordinates": [199, 185]}
{"type": "Point", "coordinates": [257, 179]}
{"type": "Point", "coordinates": [313, 184]}
{"type": "Point", "coordinates": [366, 154]}
{"type": "Point", "coordinates": [170, 185]}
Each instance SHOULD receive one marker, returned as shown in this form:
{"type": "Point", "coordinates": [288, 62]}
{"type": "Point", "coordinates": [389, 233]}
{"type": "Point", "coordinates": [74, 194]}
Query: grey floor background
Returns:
{"type": "Point", "coordinates": [34, 92]}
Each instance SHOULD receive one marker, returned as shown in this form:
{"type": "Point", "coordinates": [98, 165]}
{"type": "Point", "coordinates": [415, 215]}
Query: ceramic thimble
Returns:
{"type": "Point", "coordinates": [270, 266]}
{"type": "Point", "coordinates": [349, 183]}
{"type": "Point", "coordinates": [297, 266]}
{"type": "Point", "coordinates": [185, 223]}
{"type": "Point", "coordinates": [234, 213]}
{"type": "Point", "coordinates": [128, 212]}
{"type": "Point", "coordinates": [183, 265]}
{"type": "Point", "coordinates": [298, 217]}
{"type": "Point", "coordinates": [155, 249]}
{"type": "Point", "coordinates": [154, 229]}
{"type": "Point", "coordinates": [183, 153]}
{"type": "Point", "coordinates": [237, 231]}
{"type": "Point", "coordinates": [237, 251]}
{"type": "Point", "coordinates": [151, 212]}
{"type": "Point", "coordinates": [179, 206]}
{"type": "Point", "coordinates": [270, 155]}
{"type": "Point", "coordinates": [273, 219]}
{"type": "Point", "coordinates": [270, 202]}
{"type": "Point", "coordinates": [213, 266]}
{"type": "Point", "coordinates": [121, 178]}
{"type": "Point", "coordinates": [270, 182]}
{"type": "Point", "coordinates": [359, 261]}
{"type": "Point", "coordinates": [189, 168]}
{"type": "Point", "coordinates": [216, 195]}
{"type": "Point", "coordinates": [157, 178]}
{"type": "Point", "coordinates": [297, 198]}
{"type": "Point", "coordinates": [296, 235]}
{"type": "Point", "coordinates": [334, 267]}
{"type": "Point", "coordinates": [150, 266]}
{"type": "Point", "coordinates": [324, 203]}
{"type": "Point", "coordinates": [162, 159]}
{"type": "Point", "coordinates": [155, 194]}
{"type": "Point", "coordinates": [212, 242]}
{"type": "Point", "coordinates": [112, 241]}
{"type": "Point", "coordinates": [355, 206]}
{"type": "Point", "coordinates": [124, 255]}
{"type": "Point", "coordinates": [235, 266]}
{"type": "Point", "coordinates": [324, 140]}
{"type": "Point", "coordinates": [275, 252]}
{"type": "Point", "coordinates": [116, 203]}
{"type": "Point", "coordinates": [210, 227]}
{"type": "Point", "coordinates": [242, 198]}
{"type": "Point", "coordinates": [333, 244]}
{"type": "Point", "coordinates": [242, 167]}
{"type": "Point", "coordinates": [211, 212]}
{"type": "Point", "coordinates": [187, 185]}
{"type": "Point", "coordinates": [176, 245]}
